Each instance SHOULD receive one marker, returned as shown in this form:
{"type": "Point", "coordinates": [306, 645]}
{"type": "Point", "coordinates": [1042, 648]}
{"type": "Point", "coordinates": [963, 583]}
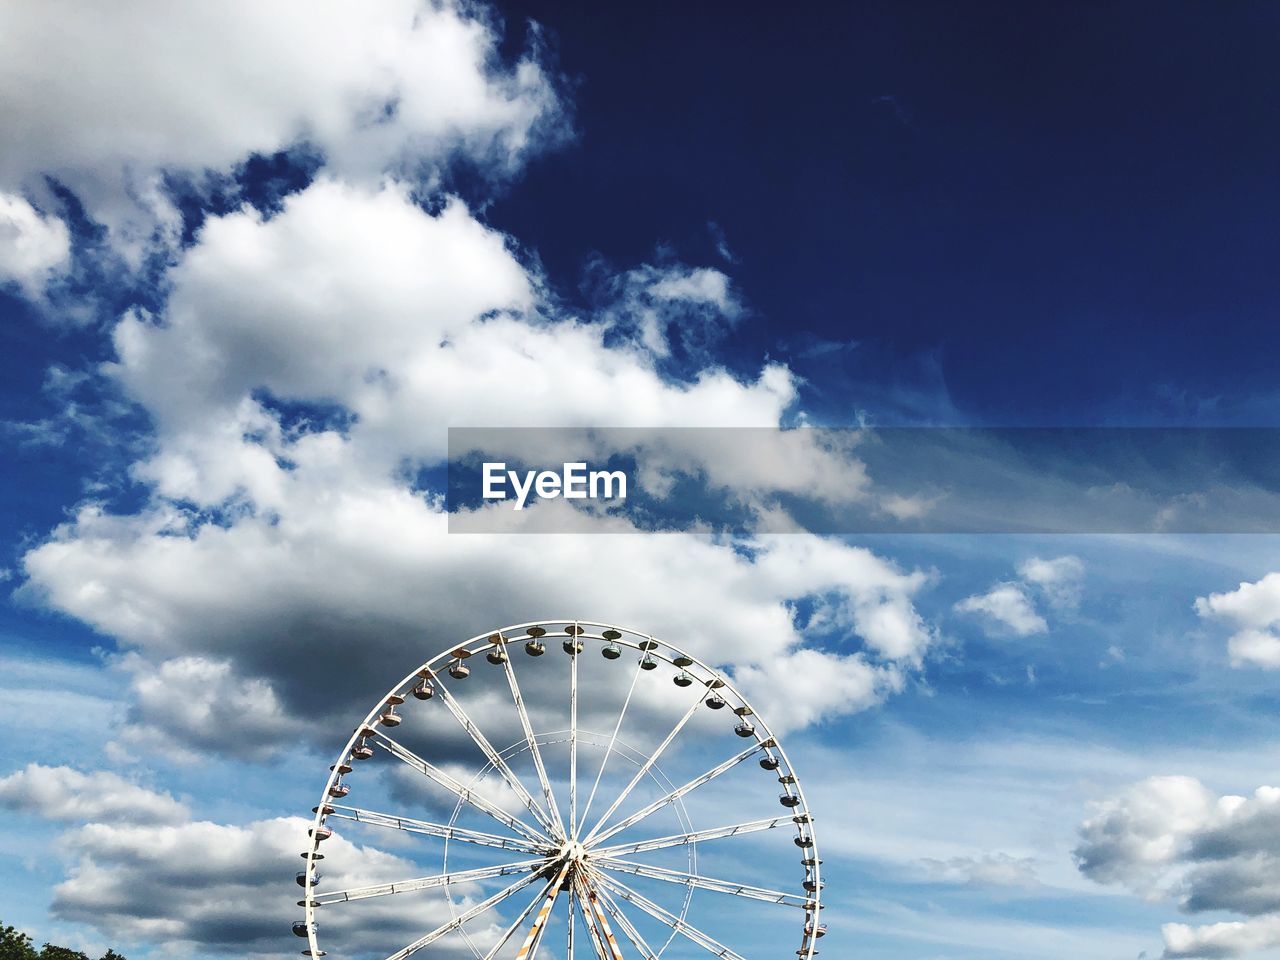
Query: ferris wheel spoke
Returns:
{"type": "Point", "coordinates": [430, 829]}
{"type": "Point", "coordinates": [679, 792]}
{"type": "Point", "coordinates": [608, 942]}
{"type": "Point", "coordinates": [422, 883]}
{"type": "Point", "coordinates": [682, 927]}
{"type": "Point", "coordinates": [644, 769]}
{"type": "Point", "coordinates": [598, 943]}
{"type": "Point", "coordinates": [529, 949]}
{"type": "Point", "coordinates": [462, 918]}
{"type": "Point", "coordinates": [473, 730]}
{"type": "Point", "coordinates": [403, 753]}
{"type": "Point", "coordinates": [571, 925]}
{"type": "Point", "coordinates": [684, 839]}
{"type": "Point", "coordinates": [573, 741]}
{"type": "Point", "coordinates": [534, 750]}
{"type": "Point", "coordinates": [519, 921]}
{"type": "Point", "coordinates": [597, 948]}
{"type": "Point", "coordinates": [623, 921]}
{"type": "Point", "coordinates": [613, 740]}
{"type": "Point", "coordinates": [701, 882]}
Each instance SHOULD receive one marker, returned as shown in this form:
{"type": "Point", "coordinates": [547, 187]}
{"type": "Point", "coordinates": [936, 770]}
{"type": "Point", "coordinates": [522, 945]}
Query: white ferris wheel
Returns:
{"type": "Point", "coordinates": [587, 836]}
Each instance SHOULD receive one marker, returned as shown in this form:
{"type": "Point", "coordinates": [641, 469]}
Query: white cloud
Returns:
{"type": "Point", "coordinates": [990, 870]}
{"type": "Point", "coordinates": [409, 323]}
{"type": "Point", "coordinates": [375, 87]}
{"type": "Point", "coordinates": [803, 687]}
{"type": "Point", "coordinates": [1172, 837]}
{"type": "Point", "coordinates": [1059, 578]}
{"type": "Point", "coordinates": [1230, 938]}
{"type": "Point", "coordinates": [700, 285]}
{"type": "Point", "coordinates": [218, 887]}
{"type": "Point", "coordinates": [705, 307]}
{"type": "Point", "coordinates": [1134, 837]}
{"type": "Point", "coordinates": [349, 295]}
{"type": "Point", "coordinates": [1009, 604]}
{"type": "Point", "coordinates": [1006, 604]}
{"type": "Point", "coordinates": [190, 705]}
{"type": "Point", "coordinates": [412, 323]}
{"type": "Point", "coordinates": [33, 247]}
{"type": "Point", "coordinates": [1253, 610]}
{"type": "Point", "coordinates": [902, 507]}
{"type": "Point", "coordinates": [140, 870]}
{"type": "Point", "coordinates": [368, 567]}
{"type": "Point", "coordinates": [61, 793]}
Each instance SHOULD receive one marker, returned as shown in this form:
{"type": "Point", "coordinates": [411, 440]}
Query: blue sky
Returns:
{"type": "Point", "coordinates": [249, 276]}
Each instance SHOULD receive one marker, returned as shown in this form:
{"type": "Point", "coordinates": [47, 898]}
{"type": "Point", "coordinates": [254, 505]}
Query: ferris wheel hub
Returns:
{"type": "Point", "coordinates": [572, 851]}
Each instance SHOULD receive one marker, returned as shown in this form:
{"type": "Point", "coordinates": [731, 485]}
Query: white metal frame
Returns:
{"type": "Point", "coordinates": [615, 747]}
{"type": "Point", "coordinates": [580, 865]}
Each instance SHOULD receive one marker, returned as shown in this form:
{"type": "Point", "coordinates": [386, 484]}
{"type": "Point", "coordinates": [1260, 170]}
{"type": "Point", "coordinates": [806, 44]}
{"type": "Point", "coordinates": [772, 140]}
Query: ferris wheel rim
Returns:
{"type": "Point", "coordinates": [651, 647]}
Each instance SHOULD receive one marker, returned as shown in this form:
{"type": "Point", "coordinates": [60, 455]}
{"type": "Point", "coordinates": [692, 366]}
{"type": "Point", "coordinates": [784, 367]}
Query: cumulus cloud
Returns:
{"type": "Point", "coordinates": [1253, 611]}
{"type": "Point", "coordinates": [1171, 837]}
{"type": "Point", "coordinates": [191, 705]}
{"type": "Point", "coordinates": [1008, 605]}
{"type": "Point", "coordinates": [33, 246]}
{"type": "Point", "coordinates": [393, 86]}
{"type": "Point", "coordinates": [353, 299]}
{"type": "Point", "coordinates": [1132, 838]}
{"type": "Point", "coordinates": [139, 869]}
{"type": "Point", "coordinates": [61, 793]}
{"type": "Point", "coordinates": [796, 689]}
{"type": "Point", "coordinates": [411, 322]}
{"type": "Point", "coordinates": [330, 598]}
{"type": "Point", "coordinates": [218, 886]}
{"type": "Point", "coordinates": [1231, 938]}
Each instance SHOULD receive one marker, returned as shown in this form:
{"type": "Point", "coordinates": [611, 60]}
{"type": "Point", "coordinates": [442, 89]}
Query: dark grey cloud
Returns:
{"type": "Point", "coordinates": [1171, 838]}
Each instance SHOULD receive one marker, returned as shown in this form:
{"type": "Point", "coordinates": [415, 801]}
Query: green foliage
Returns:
{"type": "Point", "coordinates": [16, 945]}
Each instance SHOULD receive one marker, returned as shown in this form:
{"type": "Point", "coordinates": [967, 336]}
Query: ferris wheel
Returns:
{"type": "Point", "coordinates": [586, 834]}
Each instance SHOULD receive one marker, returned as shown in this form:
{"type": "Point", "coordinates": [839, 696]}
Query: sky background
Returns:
{"type": "Point", "coordinates": [253, 263]}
